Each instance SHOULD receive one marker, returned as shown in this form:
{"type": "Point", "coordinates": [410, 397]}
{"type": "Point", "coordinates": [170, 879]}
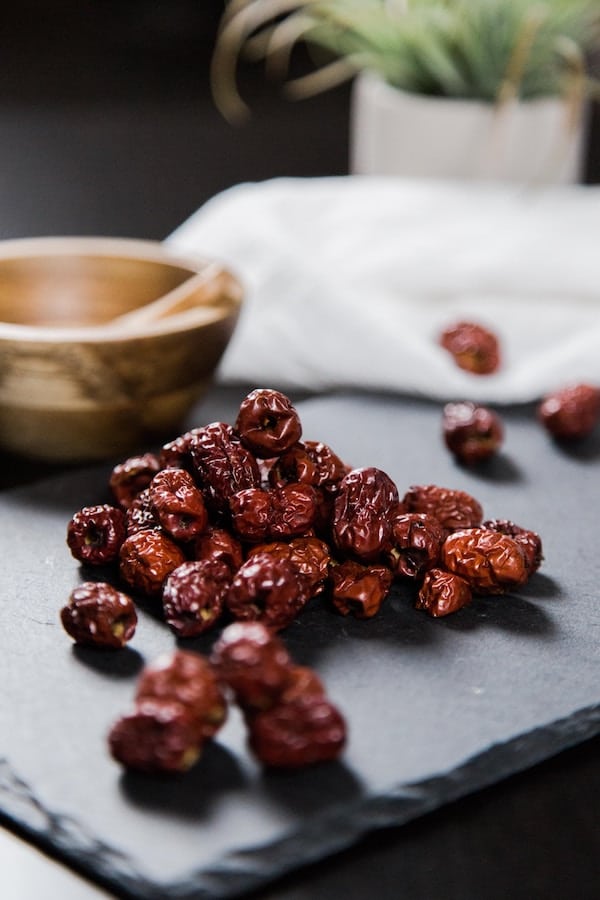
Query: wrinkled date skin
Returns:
{"type": "Point", "coordinates": [193, 596]}
{"type": "Point", "coordinates": [254, 663]}
{"type": "Point", "coordinates": [359, 589]}
{"type": "Point", "coordinates": [301, 732]}
{"type": "Point", "coordinates": [99, 615]}
{"type": "Point", "coordinates": [190, 680]}
{"type": "Point", "coordinates": [158, 736]}
{"type": "Point", "coordinates": [222, 464]}
{"type": "Point", "coordinates": [571, 413]}
{"type": "Point", "coordinates": [147, 558]}
{"type": "Point", "coordinates": [283, 512]}
{"type": "Point", "coordinates": [474, 348]}
{"type": "Point", "coordinates": [529, 541]}
{"type": "Point", "coordinates": [361, 513]}
{"type": "Point", "coordinates": [443, 593]}
{"type": "Point", "coordinates": [219, 544]}
{"type": "Point", "coordinates": [267, 589]}
{"type": "Point", "coordinates": [490, 562]}
{"type": "Point", "coordinates": [452, 508]}
{"type": "Point", "coordinates": [140, 515]}
{"type": "Point", "coordinates": [178, 504]}
{"type": "Point", "coordinates": [131, 477]}
{"type": "Point", "coordinates": [416, 543]}
{"type": "Point", "coordinates": [95, 534]}
{"type": "Point", "coordinates": [309, 555]}
{"type": "Point", "coordinates": [267, 423]}
{"type": "Point", "coordinates": [472, 433]}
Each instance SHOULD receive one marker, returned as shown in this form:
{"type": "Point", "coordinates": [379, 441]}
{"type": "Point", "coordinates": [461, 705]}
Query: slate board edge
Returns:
{"type": "Point", "coordinates": [337, 829]}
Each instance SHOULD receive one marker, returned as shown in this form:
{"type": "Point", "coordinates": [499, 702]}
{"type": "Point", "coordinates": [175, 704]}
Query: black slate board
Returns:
{"type": "Point", "coordinates": [436, 709]}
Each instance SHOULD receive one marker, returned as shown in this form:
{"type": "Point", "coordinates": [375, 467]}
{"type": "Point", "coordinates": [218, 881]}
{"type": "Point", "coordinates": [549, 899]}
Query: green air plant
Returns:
{"type": "Point", "coordinates": [487, 50]}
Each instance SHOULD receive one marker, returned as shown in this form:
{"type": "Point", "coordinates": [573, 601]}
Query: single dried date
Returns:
{"type": "Point", "coordinates": [364, 502]}
{"type": "Point", "coordinates": [99, 615]}
{"type": "Point", "coordinates": [472, 433]}
{"type": "Point", "coordinates": [529, 541]}
{"type": "Point", "coordinates": [359, 589]}
{"type": "Point", "coordinates": [490, 562]}
{"type": "Point", "coordinates": [222, 464]}
{"type": "Point", "coordinates": [267, 589]}
{"type": "Point", "coordinates": [254, 663]}
{"type": "Point", "coordinates": [571, 413]}
{"type": "Point", "coordinates": [157, 736]}
{"type": "Point", "coordinates": [146, 560]}
{"type": "Point", "coordinates": [310, 556]}
{"type": "Point", "coordinates": [131, 477]}
{"type": "Point", "coordinates": [473, 347]}
{"type": "Point", "coordinates": [220, 544]}
{"type": "Point", "coordinates": [189, 679]}
{"type": "Point", "coordinates": [443, 593]}
{"type": "Point", "coordinates": [95, 534]}
{"type": "Point", "coordinates": [452, 508]}
{"type": "Point", "coordinates": [193, 596]}
{"type": "Point", "coordinates": [267, 423]}
{"type": "Point", "coordinates": [303, 731]}
{"type": "Point", "coordinates": [178, 504]}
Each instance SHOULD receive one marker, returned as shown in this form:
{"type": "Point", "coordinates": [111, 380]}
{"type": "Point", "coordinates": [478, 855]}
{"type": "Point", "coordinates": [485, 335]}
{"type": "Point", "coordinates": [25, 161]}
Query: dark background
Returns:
{"type": "Point", "coordinates": [107, 126]}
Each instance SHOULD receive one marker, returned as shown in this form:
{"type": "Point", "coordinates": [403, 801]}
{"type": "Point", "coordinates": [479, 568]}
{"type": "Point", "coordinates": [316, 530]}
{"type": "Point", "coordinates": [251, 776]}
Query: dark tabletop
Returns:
{"type": "Point", "coordinates": [108, 127]}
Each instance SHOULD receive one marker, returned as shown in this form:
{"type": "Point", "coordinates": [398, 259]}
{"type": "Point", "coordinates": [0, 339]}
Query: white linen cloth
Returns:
{"type": "Point", "coordinates": [349, 281]}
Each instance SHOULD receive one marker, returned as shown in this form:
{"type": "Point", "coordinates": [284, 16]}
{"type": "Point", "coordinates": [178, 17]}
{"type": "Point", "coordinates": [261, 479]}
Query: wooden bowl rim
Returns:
{"type": "Point", "coordinates": [115, 247]}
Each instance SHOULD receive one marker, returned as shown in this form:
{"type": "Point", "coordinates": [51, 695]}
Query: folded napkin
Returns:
{"type": "Point", "coordinates": [350, 280]}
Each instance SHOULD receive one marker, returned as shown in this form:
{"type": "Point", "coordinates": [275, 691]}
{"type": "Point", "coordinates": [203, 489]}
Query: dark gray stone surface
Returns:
{"type": "Point", "coordinates": [436, 709]}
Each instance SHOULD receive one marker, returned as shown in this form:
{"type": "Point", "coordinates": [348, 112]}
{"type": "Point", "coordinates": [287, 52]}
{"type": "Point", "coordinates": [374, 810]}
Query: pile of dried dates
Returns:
{"type": "Point", "coordinates": [242, 526]}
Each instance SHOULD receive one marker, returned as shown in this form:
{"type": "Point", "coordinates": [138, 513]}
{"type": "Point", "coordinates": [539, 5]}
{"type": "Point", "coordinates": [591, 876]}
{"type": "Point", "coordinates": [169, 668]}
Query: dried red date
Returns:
{"type": "Point", "coordinates": [254, 663]}
{"type": "Point", "coordinates": [293, 510]}
{"type": "Point", "coordinates": [302, 682]}
{"type": "Point", "coordinates": [443, 593]}
{"type": "Point", "coordinates": [474, 348]}
{"type": "Point", "coordinates": [131, 477]}
{"type": "Point", "coordinates": [147, 558]}
{"type": "Point", "coordinates": [571, 413]}
{"type": "Point", "coordinates": [416, 542]}
{"type": "Point", "coordinates": [301, 732]}
{"type": "Point", "coordinates": [309, 555]}
{"type": "Point", "coordinates": [311, 462]}
{"type": "Point", "coordinates": [286, 511]}
{"type": "Point", "coordinates": [267, 423]}
{"type": "Point", "coordinates": [359, 589]}
{"type": "Point", "coordinates": [267, 589]}
{"type": "Point", "coordinates": [453, 509]}
{"type": "Point", "coordinates": [99, 615]}
{"type": "Point", "coordinates": [193, 596]}
{"type": "Point", "coordinates": [188, 679]}
{"type": "Point", "coordinates": [490, 562]}
{"type": "Point", "coordinates": [219, 544]}
{"type": "Point", "coordinates": [361, 514]}
{"type": "Point", "coordinates": [158, 736]}
{"type": "Point", "coordinates": [251, 514]}
{"type": "Point", "coordinates": [529, 542]}
{"type": "Point", "coordinates": [471, 433]}
{"type": "Point", "coordinates": [176, 454]}
{"type": "Point", "coordinates": [222, 463]}
{"type": "Point", "coordinates": [95, 534]}
{"type": "Point", "coordinates": [178, 504]}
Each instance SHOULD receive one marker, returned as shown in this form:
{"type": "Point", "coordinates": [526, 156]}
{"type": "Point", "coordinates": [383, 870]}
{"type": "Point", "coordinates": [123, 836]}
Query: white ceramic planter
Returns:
{"type": "Point", "coordinates": [397, 133]}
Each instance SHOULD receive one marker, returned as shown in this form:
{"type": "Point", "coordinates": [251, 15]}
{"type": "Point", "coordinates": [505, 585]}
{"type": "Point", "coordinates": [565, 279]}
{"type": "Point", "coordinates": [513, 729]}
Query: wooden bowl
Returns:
{"type": "Point", "coordinates": [105, 343]}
